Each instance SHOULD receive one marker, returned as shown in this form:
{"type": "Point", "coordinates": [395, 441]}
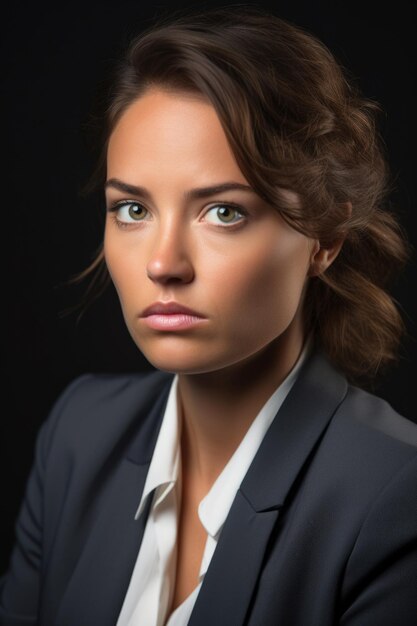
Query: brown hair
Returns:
{"type": "Point", "coordinates": [295, 121]}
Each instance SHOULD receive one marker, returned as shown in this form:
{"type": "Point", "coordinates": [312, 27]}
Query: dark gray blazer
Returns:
{"type": "Point", "coordinates": [322, 531]}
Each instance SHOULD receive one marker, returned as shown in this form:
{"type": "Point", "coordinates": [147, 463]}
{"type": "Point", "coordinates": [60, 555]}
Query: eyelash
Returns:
{"type": "Point", "coordinates": [113, 208]}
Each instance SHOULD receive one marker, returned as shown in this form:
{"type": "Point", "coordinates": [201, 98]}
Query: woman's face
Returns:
{"type": "Point", "coordinates": [241, 267]}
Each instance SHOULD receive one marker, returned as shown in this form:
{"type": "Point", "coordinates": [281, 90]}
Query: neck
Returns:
{"type": "Point", "coordinates": [218, 407]}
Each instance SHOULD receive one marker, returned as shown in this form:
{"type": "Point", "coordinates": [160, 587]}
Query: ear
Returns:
{"type": "Point", "coordinates": [321, 257]}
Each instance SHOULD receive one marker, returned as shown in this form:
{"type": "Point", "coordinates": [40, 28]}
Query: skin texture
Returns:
{"type": "Point", "coordinates": [247, 277]}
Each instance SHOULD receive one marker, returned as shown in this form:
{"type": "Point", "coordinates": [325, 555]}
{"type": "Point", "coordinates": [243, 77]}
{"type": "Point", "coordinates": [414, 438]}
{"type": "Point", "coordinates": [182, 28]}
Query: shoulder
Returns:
{"type": "Point", "coordinates": [369, 451]}
{"type": "Point", "coordinates": [92, 390]}
{"type": "Point", "coordinates": [365, 447]}
{"type": "Point", "coordinates": [359, 491]}
{"type": "Point", "coordinates": [96, 395]}
{"type": "Point", "coordinates": [378, 463]}
{"type": "Point", "coordinates": [365, 441]}
{"type": "Point", "coordinates": [96, 408]}
{"type": "Point", "coordinates": [378, 416]}
{"type": "Point", "coordinates": [369, 428]}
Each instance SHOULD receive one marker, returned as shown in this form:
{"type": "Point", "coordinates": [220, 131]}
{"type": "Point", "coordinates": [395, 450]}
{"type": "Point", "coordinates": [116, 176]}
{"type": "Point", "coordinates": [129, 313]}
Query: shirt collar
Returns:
{"type": "Point", "coordinates": [164, 466]}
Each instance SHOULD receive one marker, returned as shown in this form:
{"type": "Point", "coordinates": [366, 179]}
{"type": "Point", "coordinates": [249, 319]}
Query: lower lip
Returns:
{"type": "Point", "coordinates": [175, 321]}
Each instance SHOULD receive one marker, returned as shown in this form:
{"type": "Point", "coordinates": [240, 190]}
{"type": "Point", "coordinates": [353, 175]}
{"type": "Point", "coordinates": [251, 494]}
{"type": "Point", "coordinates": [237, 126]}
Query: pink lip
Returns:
{"type": "Point", "coordinates": [171, 316]}
{"type": "Point", "coordinates": [169, 308]}
{"type": "Point", "coordinates": [174, 321]}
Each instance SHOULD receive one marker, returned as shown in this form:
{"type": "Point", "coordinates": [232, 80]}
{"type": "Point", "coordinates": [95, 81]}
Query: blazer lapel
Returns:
{"type": "Point", "coordinates": [98, 585]}
{"type": "Point", "coordinates": [231, 577]}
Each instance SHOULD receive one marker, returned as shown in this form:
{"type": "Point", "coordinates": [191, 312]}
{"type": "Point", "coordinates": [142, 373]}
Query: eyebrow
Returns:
{"type": "Point", "coordinates": [201, 192]}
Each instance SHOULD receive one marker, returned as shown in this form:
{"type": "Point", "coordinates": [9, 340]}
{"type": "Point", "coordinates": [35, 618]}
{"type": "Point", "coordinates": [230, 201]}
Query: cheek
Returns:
{"type": "Point", "coordinates": [265, 284]}
{"type": "Point", "coordinates": [118, 264]}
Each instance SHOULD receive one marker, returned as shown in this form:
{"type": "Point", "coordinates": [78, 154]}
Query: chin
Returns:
{"type": "Point", "coordinates": [178, 366]}
{"type": "Point", "coordinates": [171, 359]}
{"type": "Point", "coordinates": [180, 363]}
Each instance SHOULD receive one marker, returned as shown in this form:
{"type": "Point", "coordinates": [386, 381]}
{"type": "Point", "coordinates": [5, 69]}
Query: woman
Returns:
{"type": "Point", "coordinates": [249, 479]}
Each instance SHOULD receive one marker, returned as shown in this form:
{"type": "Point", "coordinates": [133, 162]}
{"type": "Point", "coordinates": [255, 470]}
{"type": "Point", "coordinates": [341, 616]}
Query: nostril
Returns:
{"type": "Point", "coordinates": [164, 270]}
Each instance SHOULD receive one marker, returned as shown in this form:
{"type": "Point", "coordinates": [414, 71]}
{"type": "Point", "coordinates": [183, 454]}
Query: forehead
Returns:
{"type": "Point", "coordinates": [164, 131]}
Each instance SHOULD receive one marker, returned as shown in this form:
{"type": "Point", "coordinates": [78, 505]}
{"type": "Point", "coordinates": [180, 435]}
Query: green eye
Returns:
{"type": "Point", "coordinates": [135, 210]}
{"type": "Point", "coordinates": [226, 213]}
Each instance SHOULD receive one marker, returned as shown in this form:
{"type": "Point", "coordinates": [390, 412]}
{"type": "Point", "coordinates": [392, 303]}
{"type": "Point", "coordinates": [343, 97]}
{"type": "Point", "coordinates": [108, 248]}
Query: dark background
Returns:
{"type": "Point", "coordinates": [53, 63]}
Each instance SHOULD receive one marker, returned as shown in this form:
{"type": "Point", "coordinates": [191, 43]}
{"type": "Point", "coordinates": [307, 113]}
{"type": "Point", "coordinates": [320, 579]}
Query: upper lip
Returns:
{"type": "Point", "coordinates": [165, 308]}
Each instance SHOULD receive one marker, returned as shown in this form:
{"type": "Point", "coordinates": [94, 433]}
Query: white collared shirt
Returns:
{"type": "Point", "coordinates": [151, 587]}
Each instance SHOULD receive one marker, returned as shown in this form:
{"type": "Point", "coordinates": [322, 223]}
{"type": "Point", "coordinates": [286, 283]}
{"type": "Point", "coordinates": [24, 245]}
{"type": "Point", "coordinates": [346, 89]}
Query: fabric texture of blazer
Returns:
{"type": "Point", "coordinates": [322, 531]}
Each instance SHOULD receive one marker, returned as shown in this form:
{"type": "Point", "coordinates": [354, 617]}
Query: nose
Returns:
{"type": "Point", "coordinates": [170, 255]}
